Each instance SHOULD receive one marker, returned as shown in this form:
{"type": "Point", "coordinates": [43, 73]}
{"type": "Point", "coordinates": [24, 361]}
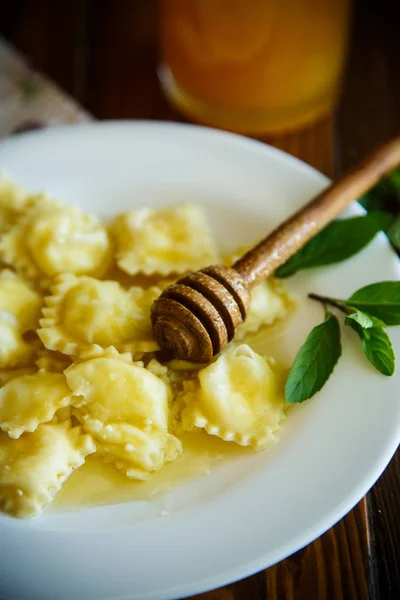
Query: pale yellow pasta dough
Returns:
{"type": "Point", "coordinates": [118, 392]}
{"type": "Point", "coordinates": [19, 303]}
{"type": "Point", "coordinates": [29, 400]}
{"type": "Point", "coordinates": [146, 452]}
{"type": "Point", "coordinates": [170, 240]}
{"type": "Point", "coordinates": [176, 379]}
{"type": "Point", "coordinates": [51, 238]}
{"type": "Point", "coordinates": [34, 467]}
{"type": "Point", "coordinates": [238, 398]}
{"type": "Point", "coordinates": [14, 350]}
{"type": "Point", "coordinates": [126, 409]}
{"type": "Point", "coordinates": [269, 303]}
{"type": "Point", "coordinates": [83, 312]}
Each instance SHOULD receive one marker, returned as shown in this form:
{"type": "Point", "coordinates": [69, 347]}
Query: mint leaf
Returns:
{"type": "Point", "coordinates": [364, 320]}
{"type": "Point", "coordinates": [315, 361]}
{"type": "Point", "coordinates": [381, 300]}
{"type": "Point", "coordinates": [377, 348]}
{"type": "Point", "coordinates": [385, 195]}
{"type": "Point", "coordinates": [337, 242]}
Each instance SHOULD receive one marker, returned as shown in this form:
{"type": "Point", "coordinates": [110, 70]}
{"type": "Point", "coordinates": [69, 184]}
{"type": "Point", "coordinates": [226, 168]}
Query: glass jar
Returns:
{"type": "Point", "coordinates": [253, 66]}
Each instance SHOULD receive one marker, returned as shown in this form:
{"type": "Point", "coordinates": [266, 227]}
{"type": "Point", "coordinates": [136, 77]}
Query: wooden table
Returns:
{"type": "Point", "coordinates": [105, 53]}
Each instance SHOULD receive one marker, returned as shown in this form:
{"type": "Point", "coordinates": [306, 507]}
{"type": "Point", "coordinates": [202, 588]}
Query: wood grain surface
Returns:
{"type": "Point", "coordinates": [105, 54]}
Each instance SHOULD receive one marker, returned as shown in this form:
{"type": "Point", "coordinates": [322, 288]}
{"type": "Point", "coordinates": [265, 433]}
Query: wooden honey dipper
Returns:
{"type": "Point", "coordinates": [196, 317]}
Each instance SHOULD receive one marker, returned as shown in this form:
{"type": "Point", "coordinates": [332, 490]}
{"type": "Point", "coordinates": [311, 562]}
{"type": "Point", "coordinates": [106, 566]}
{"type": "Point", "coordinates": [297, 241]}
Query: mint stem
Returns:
{"type": "Point", "coordinates": [330, 301]}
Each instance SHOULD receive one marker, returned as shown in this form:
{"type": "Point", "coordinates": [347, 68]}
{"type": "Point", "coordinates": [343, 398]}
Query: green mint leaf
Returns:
{"type": "Point", "coordinates": [364, 320]}
{"type": "Point", "coordinates": [394, 233]}
{"type": "Point", "coordinates": [315, 361]}
{"type": "Point", "coordinates": [337, 242]}
{"type": "Point", "coordinates": [377, 347]}
{"type": "Point", "coordinates": [385, 195]}
{"type": "Point", "coordinates": [381, 300]}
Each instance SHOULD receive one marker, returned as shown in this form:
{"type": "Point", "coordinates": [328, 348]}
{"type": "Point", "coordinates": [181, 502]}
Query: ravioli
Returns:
{"type": "Point", "coordinates": [144, 453]}
{"type": "Point", "coordinates": [19, 303]}
{"type": "Point", "coordinates": [126, 409]}
{"type": "Point", "coordinates": [32, 399]}
{"type": "Point", "coordinates": [19, 313]}
{"type": "Point", "coordinates": [85, 353]}
{"type": "Point", "coordinates": [83, 314]}
{"type": "Point", "coordinates": [118, 392]}
{"type": "Point", "coordinates": [269, 303]}
{"type": "Point", "coordinates": [50, 238]}
{"type": "Point", "coordinates": [237, 398]}
{"type": "Point", "coordinates": [34, 467]}
{"type": "Point", "coordinates": [171, 240]}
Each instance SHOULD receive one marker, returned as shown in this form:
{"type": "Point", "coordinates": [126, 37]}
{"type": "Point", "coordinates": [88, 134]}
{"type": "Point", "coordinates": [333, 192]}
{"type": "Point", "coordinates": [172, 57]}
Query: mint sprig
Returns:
{"type": "Point", "coordinates": [368, 311]}
{"type": "Point", "coordinates": [337, 242]}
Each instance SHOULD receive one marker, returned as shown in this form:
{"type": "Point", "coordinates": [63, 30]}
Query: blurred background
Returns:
{"type": "Point", "coordinates": [317, 78]}
{"type": "Point", "coordinates": [106, 55]}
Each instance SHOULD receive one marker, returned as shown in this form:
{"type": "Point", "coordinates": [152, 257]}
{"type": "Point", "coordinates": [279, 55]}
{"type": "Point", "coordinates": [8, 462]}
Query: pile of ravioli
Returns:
{"type": "Point", "coordinates": [78, 369]}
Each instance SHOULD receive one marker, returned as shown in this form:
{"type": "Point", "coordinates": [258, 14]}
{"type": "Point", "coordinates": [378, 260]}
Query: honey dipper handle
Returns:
{"type": "Point", "coordinates": [283, 242]}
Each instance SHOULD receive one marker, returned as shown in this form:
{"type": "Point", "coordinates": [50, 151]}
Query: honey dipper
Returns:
{"type": "Point", "coordinates": [197, 316]}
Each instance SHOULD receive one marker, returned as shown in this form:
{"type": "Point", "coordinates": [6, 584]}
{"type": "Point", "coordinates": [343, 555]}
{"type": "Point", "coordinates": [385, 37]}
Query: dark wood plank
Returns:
{"type": "Point", "coordinates": [369, 114]}
{"type": "Point", "coordinates": [47, 33]}
{"type": "Point", "coordinates": [334, 567]}
{"type": "Point", "coordinates": [122, 63]}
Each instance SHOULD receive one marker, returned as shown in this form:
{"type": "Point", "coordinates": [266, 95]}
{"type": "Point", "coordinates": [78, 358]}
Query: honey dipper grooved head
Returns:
{"type": "Point", "coordinates": [197, 316]}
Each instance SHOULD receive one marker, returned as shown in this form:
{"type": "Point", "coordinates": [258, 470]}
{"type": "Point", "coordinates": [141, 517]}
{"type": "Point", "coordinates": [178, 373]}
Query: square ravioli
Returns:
{"type": "Point", "coordinates": [126, 409]}
{"type": "Point", "coordinates": [29, 400]}
{"type": "Point", "coordinates": [34, 467]}
{"type": "Point", "coordinates": [49, 238]}
{"type": "Point", "coordinates": [170, 240]}
{"type": "Point", "coordinates": [113, 391]}
{"type": "Point", "coordinates": [238, 398]}
{"type": "Point", "coordinates": [83, 314]}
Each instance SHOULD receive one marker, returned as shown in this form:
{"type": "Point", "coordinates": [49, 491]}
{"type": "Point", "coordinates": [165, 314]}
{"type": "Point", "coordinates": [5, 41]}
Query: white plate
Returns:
{"type": "Point", "coordinates": [254, 511]}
